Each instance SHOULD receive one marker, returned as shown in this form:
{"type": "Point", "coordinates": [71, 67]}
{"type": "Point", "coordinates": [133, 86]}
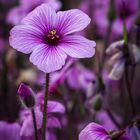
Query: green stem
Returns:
{"type": "Point", "coordinates": [125, 37]}
{"type": "Point", "coordinates": [44, 122]}
{"type": "Point", "coordinates": [34, 122]}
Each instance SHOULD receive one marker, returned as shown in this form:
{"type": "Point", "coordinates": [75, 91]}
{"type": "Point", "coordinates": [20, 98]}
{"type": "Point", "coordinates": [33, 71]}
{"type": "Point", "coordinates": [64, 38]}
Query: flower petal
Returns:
{"type": "Point", "coordinates": [27, 128]}
{"type": "Point", "coordinates": [72, 21]}
{"type": "Point", "coordinates": [42, 17]}
{"type": "Point", "coordinates": [55, 107]}
{"type": "Point", "coordinates": [117, 70]}
{"type": "Point", "coordinates": [24, 38]}
{"type": "Point", "coordinates": [48, 59]}
{"type": "Point", "coordinates": [114, 47]}
{"type": "Point", "coordinates": [77, 46]}
{"type": "Point", "coordinates": [53, 122]}
{"type": "Point", "coordinates": [9, 131]}
{"type": "Point", "coordinates": [94, 132]}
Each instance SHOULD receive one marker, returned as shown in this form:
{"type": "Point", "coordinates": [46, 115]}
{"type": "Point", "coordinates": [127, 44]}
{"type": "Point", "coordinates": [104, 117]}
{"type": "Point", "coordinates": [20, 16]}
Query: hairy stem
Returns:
{"type": "Point", "coordinates": [44, 122]}
{"type": "Point", "coordinates": [35, 125]}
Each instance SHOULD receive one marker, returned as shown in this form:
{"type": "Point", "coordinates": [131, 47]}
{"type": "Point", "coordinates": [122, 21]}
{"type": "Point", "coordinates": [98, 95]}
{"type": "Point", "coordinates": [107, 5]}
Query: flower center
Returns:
{"type": "Point", "coordinates": [53, 37]}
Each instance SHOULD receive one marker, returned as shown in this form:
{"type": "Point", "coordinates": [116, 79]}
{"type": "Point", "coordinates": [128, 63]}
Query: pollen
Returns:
{"type": "Point", "coordinates": [53, 37]}
{"type": "Point", "coordinates": [53, 32]}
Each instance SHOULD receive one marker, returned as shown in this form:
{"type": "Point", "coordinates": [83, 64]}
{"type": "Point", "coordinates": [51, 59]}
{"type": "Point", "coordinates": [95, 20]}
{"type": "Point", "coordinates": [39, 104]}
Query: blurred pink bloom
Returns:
{"type": "Point", "coordinates": [130, 9]}
{"type": "Point", "coordinates": [78, 77]}
{"type": "Point", "coordinates": [27, 129]}
{"type": "Point", "coordinates": [9, 131]}
{"type": "Point", "coordinates": [100, 13]}
{"type": "Point", "coordinates": [58, 77]}
{"type": "Point", "coordinates": [46, 35]}
{"type": "Point", "coordinates": [17, 13]}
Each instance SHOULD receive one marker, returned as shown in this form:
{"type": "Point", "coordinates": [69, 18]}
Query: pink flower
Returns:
{"type": "Point", "coordinates": [9, 131]}
{"type": "Point", "coordinates": [130, 9]}
{"type": "Point", "coordinates": [94, 131]}
{"type": "Point", "coordinates": [78, 77]}
{"type": "Point", "coordinates": [17, 13]}
{"type": "Point", "coordinates": [46, 35]}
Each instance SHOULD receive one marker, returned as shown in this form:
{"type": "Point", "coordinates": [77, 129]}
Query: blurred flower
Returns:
{"type": "Point", "coordinates": [17, 13]}
{"type": "Point", "coordinates": [78, 77]}
{"type": "Point", "coordinates": [100, 15]}
{"type": "Point", "coordinates": [58, 77]}
{"type": "Point", "coordinates": [9, 131]}
{"type": "Point", "coordinates": [95, 131]}
{"type": "Point", "coordinates": [127, 9]}
{"type": "Point", "coordinates": [45, 34]}
{"type": "Point", "coordinates": [118, 58]}
{"type": "Point", "coordinates": [27, 128]}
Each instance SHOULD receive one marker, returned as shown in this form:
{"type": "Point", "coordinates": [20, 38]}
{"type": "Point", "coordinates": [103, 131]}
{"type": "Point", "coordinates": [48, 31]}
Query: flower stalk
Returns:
{"type": "Point", "coordinates": [128, 85]}
{"type": "Point", "coordinates": [44, 122]}
{"type": "Point", "coordinates": [34, 122]}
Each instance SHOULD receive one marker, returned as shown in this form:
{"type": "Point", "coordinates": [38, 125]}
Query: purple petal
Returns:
{"type": "Point", "coordinates": [50, 136]}
{"type": "Point", "coordinates": [9, 131]}
{"type": "Point", "coordinates": [56, 4]}
{"type": "Point", "coordinates": [27, 128]}
{"type": "Point", "coordinates": [18, 13]}
{"type": "Point", "coordinates": [72, 21]}
{"type": "Point", "coordinates": [117, 70]}
{"type": "Point", "coordinates": [48, 59]}
{"type": "Point", "coordinates": [30, 35]}
{"type": "Point", "coordinates": [77, 46]}
{"type": "Point", "coordinates": [53, 122]}
{"type": "Point", "coordinates": [55, 107]}
{"type": "Point", "coordinates": [114, 47]}
{"type": "Point", "coordinates": [42, 17]}
{"type": "Point", "coordinates": [94, 132]}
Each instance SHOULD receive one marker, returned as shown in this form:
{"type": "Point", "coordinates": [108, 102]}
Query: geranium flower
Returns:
{"type": "Point", "coordinates": [46, 35]}
{"type": "Point", "coordinates": [95, 131]}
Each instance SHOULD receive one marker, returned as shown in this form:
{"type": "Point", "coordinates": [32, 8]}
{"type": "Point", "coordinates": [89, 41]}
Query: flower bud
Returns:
{"type": "Point", "coordinates": [97, 104]}
{"type": "Point", "coordinates": [26, 95]}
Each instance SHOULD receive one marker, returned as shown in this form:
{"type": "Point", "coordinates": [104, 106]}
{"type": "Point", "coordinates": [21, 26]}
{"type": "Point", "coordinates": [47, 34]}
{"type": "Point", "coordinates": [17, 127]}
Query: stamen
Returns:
{"type": "Point", "coordinates": [53, 32]}
{"type": "Point", "coordinates": [53, 37]}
